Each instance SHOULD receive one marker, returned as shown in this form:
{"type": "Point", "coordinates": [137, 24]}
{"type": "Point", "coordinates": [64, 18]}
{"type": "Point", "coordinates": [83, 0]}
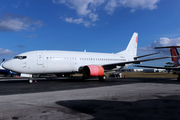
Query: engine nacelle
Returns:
{"type": "Point", "coordinates": [92, 71]}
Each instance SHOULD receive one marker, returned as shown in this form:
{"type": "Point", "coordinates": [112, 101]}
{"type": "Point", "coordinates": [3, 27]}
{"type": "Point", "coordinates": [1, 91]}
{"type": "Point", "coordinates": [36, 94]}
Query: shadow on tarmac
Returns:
{"type": "Point", "coordinates": [163, 108]}
{"type": "Point", "coordinates": [21, 86]}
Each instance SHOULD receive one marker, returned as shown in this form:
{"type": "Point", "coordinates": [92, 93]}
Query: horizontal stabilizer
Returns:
{"type": "Point", "coordinates": [149, 66]}
{"type": "Point", "coordinates": [167, 68]}
{"type": "Point", "coordinates": [135, 58]}
{"type": "Point", "coordinates": [108, 66]}
{"type": "Point", "coordinates": [167, 47]}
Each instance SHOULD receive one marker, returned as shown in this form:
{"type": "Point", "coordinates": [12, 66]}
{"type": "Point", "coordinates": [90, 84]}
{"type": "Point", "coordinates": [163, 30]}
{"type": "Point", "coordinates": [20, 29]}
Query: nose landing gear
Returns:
{"type": "Point", "coordinates": [30, 80]}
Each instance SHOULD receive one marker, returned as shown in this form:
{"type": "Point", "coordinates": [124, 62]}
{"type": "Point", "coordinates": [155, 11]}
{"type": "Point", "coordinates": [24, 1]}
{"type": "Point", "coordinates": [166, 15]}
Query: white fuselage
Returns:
{"type": "Point", "coordinates": [42, 62]}
{"type": "Point", "coordinates": [90, 64]}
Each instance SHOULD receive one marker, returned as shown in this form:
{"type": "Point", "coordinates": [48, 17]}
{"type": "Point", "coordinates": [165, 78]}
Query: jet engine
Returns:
{"type": "Point", "coordinates": [92, 71]}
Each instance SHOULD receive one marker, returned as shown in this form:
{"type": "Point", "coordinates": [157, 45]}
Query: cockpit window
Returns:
{"type": "Point", "coordinates": [20, 57]}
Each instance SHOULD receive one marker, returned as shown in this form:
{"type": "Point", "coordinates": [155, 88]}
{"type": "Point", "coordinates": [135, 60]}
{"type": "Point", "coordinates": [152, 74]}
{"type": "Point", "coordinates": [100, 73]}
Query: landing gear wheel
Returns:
{"type": "Point", "coordinates": [103, 78]}
{"type": "Point", "coordinates": [30, 81]}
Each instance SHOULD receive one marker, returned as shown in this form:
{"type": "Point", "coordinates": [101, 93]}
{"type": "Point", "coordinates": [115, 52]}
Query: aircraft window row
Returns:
{"type": "Point", "coordinates": [102, 59]}
{"type": "Point", "coordinates": [73, 58]}
{"type": "Point", "coordinates": [20, 57]}
{"type": "Point", "coordinates": [61, 58]}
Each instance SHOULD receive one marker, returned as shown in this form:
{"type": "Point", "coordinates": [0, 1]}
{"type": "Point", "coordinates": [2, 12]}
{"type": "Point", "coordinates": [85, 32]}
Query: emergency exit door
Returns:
{"type": "Point", "coordinates": [40, 60]}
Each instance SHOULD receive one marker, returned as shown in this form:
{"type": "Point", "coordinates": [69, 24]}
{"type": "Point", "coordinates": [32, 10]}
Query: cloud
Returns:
{"type": "Point", "coordinates": [71, 20]}
{"type": "Point", "coordinates": [161, 43]}
{"type": "Point", "coordinates": [13, 23]}
{"type": "Point", "coordinates": [134, 4]}
{"type": "Point", "coordinates": [133, 10]}
{"type": "Point", "coordinates": [144, 4]}
{"type": "Point", "coordinates": [93, 17]}
{"type": "Point", "coordinates": [6, 52]}
{"type": "Point", "coordinates": [84, 8]}
{"type": "Point", "coordinates": [111, 6]}
{"type": "Point", "coordinates": [78, 21]}
{"type": "Point", "coordinates": [17, 5]}
{"type": "Point", "coordinates": [87, 8]}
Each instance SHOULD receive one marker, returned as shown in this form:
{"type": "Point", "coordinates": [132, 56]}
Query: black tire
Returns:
{"type": "Point", "coordinates": [103, 78]}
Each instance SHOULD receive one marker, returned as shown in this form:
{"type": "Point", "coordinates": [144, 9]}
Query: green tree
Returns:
{"type": "Point", "coordinates": [169, 64]}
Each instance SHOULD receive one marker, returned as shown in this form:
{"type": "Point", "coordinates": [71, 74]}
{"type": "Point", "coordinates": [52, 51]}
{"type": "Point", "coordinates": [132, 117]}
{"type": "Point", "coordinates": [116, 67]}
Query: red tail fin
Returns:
{"type": "Point", "coordinates": [175, 55]}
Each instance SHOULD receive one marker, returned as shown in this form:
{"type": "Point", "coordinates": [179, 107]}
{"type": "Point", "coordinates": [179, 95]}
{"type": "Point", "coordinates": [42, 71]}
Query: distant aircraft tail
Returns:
{"type": "Point", "coordinates": [132, 46]}
{"type": "Point", "coordinates": [1, 64]}
{"type": "Point", "coordinates": [175, 55]}
{"type": "Point", "coordinates": [2, 61]}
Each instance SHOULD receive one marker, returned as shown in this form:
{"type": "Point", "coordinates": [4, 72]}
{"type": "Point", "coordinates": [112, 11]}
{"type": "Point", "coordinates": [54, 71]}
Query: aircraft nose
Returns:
{"type": "Point", "coordinates": [7, 65]}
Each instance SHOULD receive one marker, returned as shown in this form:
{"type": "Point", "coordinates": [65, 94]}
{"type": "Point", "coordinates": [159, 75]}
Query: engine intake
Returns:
{"type": "Point", "coordinates": [92, 71]}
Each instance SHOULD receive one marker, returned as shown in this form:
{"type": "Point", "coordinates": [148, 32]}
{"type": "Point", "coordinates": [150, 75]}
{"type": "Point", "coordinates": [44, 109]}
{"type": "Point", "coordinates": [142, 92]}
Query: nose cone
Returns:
{"type": "Point", "coordinates": [7, 65]}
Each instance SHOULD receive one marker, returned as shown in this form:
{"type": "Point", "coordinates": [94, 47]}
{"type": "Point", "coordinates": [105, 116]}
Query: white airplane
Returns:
{"type": "Point", "coordinates": [68, 62]}
{"type": "Point", "coordinates": [175, 58]}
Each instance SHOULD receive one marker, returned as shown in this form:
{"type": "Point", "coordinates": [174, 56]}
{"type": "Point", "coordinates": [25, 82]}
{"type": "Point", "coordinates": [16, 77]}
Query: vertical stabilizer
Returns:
{"type": "Point", "coordinates": [132, 46]}
{"type": "Point", "coordinates": [175, 55]}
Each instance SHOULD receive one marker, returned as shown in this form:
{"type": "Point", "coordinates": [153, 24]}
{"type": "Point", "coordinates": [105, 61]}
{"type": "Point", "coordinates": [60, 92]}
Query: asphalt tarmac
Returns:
{"type": "Point", "coordinates": [75, 99]}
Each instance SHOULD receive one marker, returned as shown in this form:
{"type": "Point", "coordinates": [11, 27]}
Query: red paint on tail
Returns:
{"type": "Point", "coordinates": [137, 39]}
{"type": "Point", "coordinates": [175, 54]}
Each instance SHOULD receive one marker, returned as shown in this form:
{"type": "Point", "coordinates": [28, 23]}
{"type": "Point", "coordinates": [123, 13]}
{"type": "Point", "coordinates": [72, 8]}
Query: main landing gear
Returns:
{"type": "Point", "coordinates": [102, 78]}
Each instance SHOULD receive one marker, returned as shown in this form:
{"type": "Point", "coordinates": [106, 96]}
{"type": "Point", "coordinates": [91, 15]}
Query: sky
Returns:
{"type": "Point", "coordinates": [93, 25]}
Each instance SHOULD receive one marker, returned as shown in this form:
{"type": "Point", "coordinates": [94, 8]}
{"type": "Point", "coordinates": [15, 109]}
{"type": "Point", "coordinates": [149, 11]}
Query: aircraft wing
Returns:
{"type": "Point", "coordinates": [167, 68]}
{"type": "Point", "coordinates": [113, 65]}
